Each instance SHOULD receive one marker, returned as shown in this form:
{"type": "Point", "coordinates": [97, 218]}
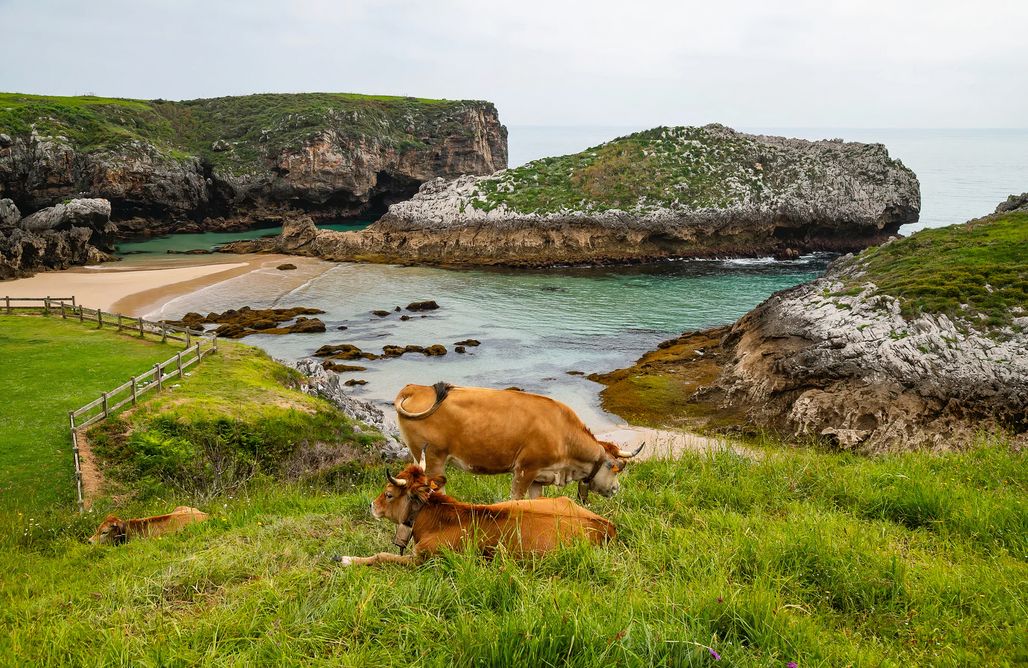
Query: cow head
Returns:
{"type": "Point", "coordinates": [604, 478]}
{"type": "Point", "coordinates": [403, 493]}
{"type": "Point", "coordinates": [111, 531]}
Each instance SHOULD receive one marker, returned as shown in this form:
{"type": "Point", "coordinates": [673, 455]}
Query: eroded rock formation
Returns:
{"type": "Point", "coordinates": [233, 163]}
{"type": "Point", "coordinates": [667, 192]}
{"type": "Point", "coordinates": [77, 232]}
{"type": "Point", "coordinates": [853, 360]}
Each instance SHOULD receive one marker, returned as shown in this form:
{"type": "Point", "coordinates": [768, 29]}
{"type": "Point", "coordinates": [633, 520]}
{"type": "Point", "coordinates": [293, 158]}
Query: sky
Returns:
{"type": "Point", "coordinates": [745, 63]}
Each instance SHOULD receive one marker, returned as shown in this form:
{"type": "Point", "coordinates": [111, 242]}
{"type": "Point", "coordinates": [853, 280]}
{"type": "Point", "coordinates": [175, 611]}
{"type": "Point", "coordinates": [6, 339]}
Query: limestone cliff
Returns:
{"type": "Point", "coordinates": [76, 232]}
{"type": "Point", "coordinates": [921, 342]}
{"type": "Point", "coordinates": [667, 192]}
{"type": "Point", "coordinates": [238, 161]}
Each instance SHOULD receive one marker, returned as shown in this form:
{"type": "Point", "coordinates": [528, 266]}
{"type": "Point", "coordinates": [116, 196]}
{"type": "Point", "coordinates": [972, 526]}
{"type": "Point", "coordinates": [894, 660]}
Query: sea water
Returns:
{"type": "Point", "coordinates": [536, 326]}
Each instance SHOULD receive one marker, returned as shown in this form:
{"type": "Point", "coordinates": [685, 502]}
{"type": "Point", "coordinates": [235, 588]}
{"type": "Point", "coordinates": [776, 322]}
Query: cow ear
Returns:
{"type": "Point", "coordinates": [437, 482]}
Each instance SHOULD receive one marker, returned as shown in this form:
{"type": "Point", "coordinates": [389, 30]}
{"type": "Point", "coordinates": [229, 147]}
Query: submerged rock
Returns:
{"type": "Point", "coordinates": [236, 324]}
{"type": "Point", "coordinates": [288, 266]}
{"type": "Point", "coordinates": [428, 305]}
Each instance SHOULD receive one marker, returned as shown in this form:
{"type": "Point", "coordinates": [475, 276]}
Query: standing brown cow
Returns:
{"type": "Point", "coordinates": [538, 439]}
{"type": "Point", "coordinates": [437, 521]}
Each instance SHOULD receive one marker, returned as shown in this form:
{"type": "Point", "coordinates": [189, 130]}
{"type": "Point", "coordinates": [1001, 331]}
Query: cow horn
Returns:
{"type": "Point", "coordinates": [399, 482]}
{"type": "Point", "coordinates": [424, 457]}
{"type": "Point", "coordinates": [624, 454]}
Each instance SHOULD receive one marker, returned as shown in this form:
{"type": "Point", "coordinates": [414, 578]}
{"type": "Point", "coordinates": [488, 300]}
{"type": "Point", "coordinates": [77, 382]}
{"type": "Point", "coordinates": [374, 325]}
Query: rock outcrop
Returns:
{"type": "Point", "coordinates": [331, 386]}
{"type": "Point", "coordinates": [76, 232]}
{"type": "Point", "coordinates": [872, 356]}
{"type": "Point", "coordinates": [667, 192]}
{"type": "Point", "coordinates": [236, 162]}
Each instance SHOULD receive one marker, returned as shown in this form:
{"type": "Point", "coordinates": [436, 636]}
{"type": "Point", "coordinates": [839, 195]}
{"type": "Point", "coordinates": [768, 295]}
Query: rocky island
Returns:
{"type": "Point", "coordinates": [237, 162]}
{"type": "Point", "coordinates": [921, 342]}
{"type": "Point", "coordinates": [662, 193]}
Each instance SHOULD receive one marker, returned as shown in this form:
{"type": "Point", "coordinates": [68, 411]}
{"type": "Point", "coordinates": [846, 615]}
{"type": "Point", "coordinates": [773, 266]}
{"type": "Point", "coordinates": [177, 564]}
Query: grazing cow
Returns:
{"type": "Point", "coordinates": [113, 531]}
{"type": "Point", "coordinates": [538, 439]}
{"type": "Point", "coordinates": [413, 501]}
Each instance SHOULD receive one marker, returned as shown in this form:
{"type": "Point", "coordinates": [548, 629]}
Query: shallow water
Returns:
{"type": "Point", "coordinates": [534, 326]}
{"type": "Point", "coordinates": [147, 250]}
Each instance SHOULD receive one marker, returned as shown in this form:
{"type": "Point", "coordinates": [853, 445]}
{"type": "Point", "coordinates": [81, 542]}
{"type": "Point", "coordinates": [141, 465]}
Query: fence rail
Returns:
{"type": "Point", "coordinates": [198, 345]}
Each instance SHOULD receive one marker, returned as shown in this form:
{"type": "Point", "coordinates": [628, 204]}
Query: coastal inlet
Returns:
{"type": "Point", "coordinates": [539, 330]}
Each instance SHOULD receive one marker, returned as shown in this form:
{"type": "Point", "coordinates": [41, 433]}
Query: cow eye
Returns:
{"type": "Point", "coordinates": [388, 495]}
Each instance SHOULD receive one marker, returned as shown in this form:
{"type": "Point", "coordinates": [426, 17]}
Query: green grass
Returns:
{"type": "Point", "coordinates": [47, 368]}
{"type": "Point", "coordinates": [797, 555]}
{"type": "Point", "coordinates": [254, 126]}
{"type": "Point", "coordinates": [818, 558]}
{"type": "Point", "coordinates": [982, 263]}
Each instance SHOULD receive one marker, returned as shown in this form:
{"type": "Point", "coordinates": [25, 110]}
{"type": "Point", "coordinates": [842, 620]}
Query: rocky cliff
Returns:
{"type": "Point", "coordinates": [235, 162]}
{"type": "Point", "coordinates": [75, 232]}
{"type": "Point", "coordinates": [919, 343]}
{"type": "Point", "coordinates": [666, 192]}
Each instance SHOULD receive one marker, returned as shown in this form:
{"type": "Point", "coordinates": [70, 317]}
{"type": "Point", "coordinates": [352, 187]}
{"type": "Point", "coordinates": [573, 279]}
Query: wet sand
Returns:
{"type": "Point", "coordinates": [135, 290]}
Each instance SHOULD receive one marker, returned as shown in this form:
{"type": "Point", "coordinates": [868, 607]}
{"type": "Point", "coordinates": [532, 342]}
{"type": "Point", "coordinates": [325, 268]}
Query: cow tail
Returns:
{"type": "Point", "coordinates": [441, 391]}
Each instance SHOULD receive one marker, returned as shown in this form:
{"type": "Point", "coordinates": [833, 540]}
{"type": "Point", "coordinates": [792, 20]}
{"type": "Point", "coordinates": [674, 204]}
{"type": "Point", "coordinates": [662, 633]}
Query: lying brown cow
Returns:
{"type": "Point", "coordinates": [438, 521]}
{"type": "Point", "coordinates": [114, 531]}
{"type": "Point", "coordinates": [540, 440]}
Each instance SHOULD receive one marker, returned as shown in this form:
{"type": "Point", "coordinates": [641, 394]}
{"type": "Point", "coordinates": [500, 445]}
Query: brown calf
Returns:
{"type": "Point", "coordinates": [538, 439]}
{"type": "Point", "coordinates": [438, 521]}
{"type": "Point", "coordinates": [113, 531]}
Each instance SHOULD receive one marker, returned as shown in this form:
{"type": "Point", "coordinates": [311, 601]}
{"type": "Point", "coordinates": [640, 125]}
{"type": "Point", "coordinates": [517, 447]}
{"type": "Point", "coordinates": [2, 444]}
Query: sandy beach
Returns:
{"type": "Point", "coordinates": [136, 289]}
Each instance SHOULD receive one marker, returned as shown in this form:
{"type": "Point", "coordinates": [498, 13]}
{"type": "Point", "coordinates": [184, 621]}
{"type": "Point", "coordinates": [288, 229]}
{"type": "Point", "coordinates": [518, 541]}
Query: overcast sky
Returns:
{"type": "Point", "coordinates": [747, 63]}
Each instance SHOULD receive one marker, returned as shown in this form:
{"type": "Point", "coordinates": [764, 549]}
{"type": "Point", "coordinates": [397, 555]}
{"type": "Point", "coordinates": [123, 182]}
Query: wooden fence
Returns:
{"type": "Point", "coordinates": [197, 346]}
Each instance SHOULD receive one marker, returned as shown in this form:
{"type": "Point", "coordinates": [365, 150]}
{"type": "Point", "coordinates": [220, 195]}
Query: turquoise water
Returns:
{"type": "Point", "coordinates": [138, 251]}
{"type": "Point", "coordinates": [534, 326]}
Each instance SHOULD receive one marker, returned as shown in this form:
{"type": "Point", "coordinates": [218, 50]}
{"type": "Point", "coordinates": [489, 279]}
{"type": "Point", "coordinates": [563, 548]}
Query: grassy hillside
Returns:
{"type": "Point", "coordinates": [816, 558]}
{"type": "Point", "coordinates": [676, 167]}
{"type": "Point", "coordinates": [793, 555]}
{"type": "Point", "coordinates": [251, 126]}
{"type": "Point", "coordinates": [982, 263]}
{"type": "Point", "coordinates": [47, 368]}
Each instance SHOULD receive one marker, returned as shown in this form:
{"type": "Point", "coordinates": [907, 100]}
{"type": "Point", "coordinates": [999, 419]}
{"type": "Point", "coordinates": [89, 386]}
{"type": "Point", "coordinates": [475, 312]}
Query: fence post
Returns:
{"type": "Point", "coordinates": [187, 337]}
{"type": "Point", "coordinates": [105, 404]}
{"type": "Point", "coordinates": [64, 316]}
{"type": "Point", "coordinates": [141, 335]}
{"type": "Point", "coordinates": [134, 395]}
{"type": "Point", "coordinates": [78, 466]}
{"type": "Point", "coordinates": [178, 358]}
{"type": "Point", "coordinates": [199, 355]}
{"type": "Point", "coordinates": [8, 299]}
{"type": "Point", "coordinates": [214, 342]}
{"type": "Point", "coordinates": [73, 301]}
{"type": "Point", "coordinates": [46, 305]}
{"type": "Point", "coordinates": [118, 316]}
{"type": "Point", "coordinates": [82, 316]}
{"type": "Point", "coordinates": [99, 319]}
{"type": "Point", "coordinates": [157, 370]}
{"type": "Point", "coordinates": [164, 333]}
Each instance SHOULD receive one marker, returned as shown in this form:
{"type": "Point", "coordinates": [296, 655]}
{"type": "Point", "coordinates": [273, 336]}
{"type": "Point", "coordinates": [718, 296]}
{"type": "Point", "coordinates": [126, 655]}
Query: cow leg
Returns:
{"type": "Point", "coordinates": [380, 558]}
{"type": "Point", "coordinates": [523, 480]}
{"type": "Point", "coordinates": [535, 490]}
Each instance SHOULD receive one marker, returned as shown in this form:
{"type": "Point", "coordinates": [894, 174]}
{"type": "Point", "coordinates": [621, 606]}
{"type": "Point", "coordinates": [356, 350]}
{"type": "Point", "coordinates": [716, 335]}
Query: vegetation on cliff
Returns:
{"type": "Point", "coordinates": [710, 167]}
{"type": "Point", "coordinates": [980, 267]}
{"type": "Point", "coordinates": [235, 133]}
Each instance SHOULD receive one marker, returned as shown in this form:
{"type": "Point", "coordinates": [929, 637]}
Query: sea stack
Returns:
{"type": "Point", "coordinates": [662, 193]}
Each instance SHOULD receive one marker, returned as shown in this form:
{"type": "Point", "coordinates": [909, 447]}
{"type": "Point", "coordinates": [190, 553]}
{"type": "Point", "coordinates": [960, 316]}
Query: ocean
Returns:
{"type": "Point", "coordinates": [536, 326]}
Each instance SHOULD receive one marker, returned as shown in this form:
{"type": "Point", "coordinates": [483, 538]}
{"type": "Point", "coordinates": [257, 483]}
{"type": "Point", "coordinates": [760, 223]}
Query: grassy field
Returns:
{"type": "Point", "coordinates": [48, 368]}
{"type": "Point", "coordinates": [815, 558]}
{"type": "Point", "coordinates": [797, 555]}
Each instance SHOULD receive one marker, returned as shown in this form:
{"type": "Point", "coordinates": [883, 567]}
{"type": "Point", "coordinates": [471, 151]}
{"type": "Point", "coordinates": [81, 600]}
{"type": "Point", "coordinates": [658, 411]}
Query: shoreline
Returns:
{"type": "Point", "coordinates": [134, 290]}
